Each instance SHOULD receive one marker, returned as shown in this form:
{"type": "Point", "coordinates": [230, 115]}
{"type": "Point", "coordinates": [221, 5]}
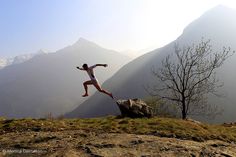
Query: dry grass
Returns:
{"type": "Point", "coordinates": [163, 127]}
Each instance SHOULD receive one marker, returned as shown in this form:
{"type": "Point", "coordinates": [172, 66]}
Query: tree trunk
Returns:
{"type": "Point", "coordinates": [184, 115]}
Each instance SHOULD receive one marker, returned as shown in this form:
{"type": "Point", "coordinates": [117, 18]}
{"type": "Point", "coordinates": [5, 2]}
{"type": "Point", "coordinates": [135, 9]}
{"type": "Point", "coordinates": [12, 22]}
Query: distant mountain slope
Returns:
{"type": "Point", "coordinates": [218, 24]}
{"type": "Point", "coordinates": [18, 59]}
{"type": "Point", "coordinates": [50, 82]}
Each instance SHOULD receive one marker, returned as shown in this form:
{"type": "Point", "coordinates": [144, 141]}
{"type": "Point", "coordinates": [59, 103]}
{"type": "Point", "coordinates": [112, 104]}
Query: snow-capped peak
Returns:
{"type": "Point", "coordinates": [19, 59]}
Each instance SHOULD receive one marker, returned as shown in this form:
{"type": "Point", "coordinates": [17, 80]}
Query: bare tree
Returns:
{"type": "Point", "coordinates": [188, 77]}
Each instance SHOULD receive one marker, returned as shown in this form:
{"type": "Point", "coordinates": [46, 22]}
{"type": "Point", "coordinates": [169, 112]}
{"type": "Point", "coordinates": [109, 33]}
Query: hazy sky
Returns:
{"type": "Point", "coordinates": [29, 25]}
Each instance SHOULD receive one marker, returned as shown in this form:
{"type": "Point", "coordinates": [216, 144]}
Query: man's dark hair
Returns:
{"type": "Point", "coordinates": [85, 66]}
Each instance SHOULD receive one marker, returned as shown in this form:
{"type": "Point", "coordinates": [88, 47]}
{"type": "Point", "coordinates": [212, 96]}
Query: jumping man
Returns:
{"type": "Point", "coordinates": [93, 80]}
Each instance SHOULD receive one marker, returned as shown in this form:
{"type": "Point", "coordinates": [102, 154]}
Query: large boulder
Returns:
{"type": "Point", "coordinates": [134, 108]}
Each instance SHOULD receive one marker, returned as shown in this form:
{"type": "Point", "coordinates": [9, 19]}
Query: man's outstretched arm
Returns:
{"type": "Point", "coordinates": [104, 65]}
{"type": "Point", "coordinates": [80, 68]}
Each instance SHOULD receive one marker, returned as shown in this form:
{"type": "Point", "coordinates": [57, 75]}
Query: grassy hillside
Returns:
{"type": "Point", "coordinates": [162, 127]}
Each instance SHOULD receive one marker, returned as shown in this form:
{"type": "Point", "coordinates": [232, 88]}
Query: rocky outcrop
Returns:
{"type": "Point", "coordinates": [134, 108]}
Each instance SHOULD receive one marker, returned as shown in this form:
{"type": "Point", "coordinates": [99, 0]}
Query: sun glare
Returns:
{"type": "Point", "coordinates": [229, 3]}
{"type": "Point", "coordinates": [159, 22]}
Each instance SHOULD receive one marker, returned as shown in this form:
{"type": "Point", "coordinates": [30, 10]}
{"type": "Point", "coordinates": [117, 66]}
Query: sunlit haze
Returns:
{"type": "Point", "coordinates": [123, 25]}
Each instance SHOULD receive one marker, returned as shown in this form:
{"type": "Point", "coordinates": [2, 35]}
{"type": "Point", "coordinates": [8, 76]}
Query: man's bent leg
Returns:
{"type": "Point", "coordinates": [86, 83]}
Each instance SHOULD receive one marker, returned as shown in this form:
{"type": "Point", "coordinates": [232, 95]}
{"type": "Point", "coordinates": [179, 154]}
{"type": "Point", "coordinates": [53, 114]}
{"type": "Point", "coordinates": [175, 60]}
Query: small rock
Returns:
{"type": "Point", "coordinates": [104, 145]}
{"type": "Point", "coordinates": [82, 135]}
{"type": "Point", "coordinates": [218, 145]}
{"type": "Point", "coordinates": [193, 155]}
{"type": "Point", "coordinates": [87, 150]}
{"type": "Point", "coordinates": [226, 155]}
{"type": "Point", "coordinates": [198, 139]}
{"type": "Point", "coordinates": [164, 149]}
{"type": "Point", "coordinates": [36, 129]}
{"type": "Point", "coordinates": [135, 142]}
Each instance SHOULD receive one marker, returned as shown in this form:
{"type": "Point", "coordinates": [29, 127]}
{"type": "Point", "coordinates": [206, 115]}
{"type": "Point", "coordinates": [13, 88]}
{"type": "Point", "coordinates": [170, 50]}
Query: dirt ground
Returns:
{"type": "Point", "coordinates": [82, 144]}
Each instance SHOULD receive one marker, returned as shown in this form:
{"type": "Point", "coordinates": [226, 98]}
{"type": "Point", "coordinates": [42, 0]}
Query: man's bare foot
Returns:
{"type": "Point", "coordinates": [111, 96]}
{"type": "Point", "coordinates": [84, 95]}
